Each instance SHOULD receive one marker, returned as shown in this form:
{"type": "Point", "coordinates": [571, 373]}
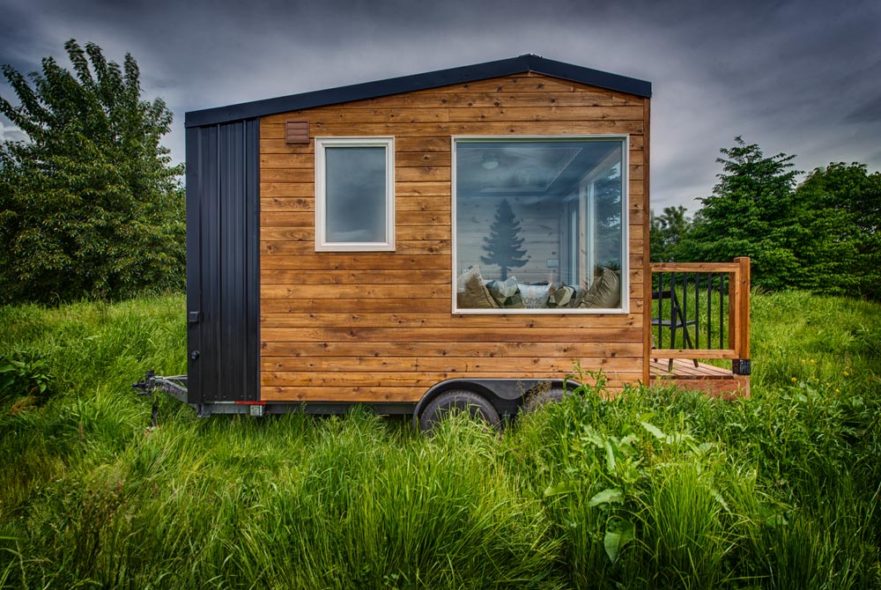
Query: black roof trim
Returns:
{"type": "Point", "coordinates": [461, 75]}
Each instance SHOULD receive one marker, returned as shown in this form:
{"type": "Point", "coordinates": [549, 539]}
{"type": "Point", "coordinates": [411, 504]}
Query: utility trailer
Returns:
{"type": "Point", "coordinates": [461, 237]}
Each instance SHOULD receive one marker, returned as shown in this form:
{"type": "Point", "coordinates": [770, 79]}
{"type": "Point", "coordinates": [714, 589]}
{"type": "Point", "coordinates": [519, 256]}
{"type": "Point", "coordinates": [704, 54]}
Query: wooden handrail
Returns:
{"type": "Point", "coordinates": [728, 267]}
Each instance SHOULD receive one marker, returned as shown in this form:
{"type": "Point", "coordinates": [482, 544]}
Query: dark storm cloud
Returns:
{"type": "Point", "coordinates": [799, 77]}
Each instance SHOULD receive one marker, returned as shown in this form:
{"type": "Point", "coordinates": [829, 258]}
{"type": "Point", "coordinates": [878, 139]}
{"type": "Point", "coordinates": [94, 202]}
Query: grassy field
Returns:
{"type": "Point", "coordinates": [653, 489]}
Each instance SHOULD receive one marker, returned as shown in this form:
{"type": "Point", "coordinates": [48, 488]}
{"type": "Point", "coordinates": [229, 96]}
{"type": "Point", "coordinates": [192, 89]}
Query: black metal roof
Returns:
{"type": "Point", "coordinates": [461, 75]}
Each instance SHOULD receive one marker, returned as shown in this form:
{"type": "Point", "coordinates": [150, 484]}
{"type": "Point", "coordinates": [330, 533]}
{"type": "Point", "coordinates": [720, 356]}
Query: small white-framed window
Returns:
{"type": "Point", "coordinates": [354, 194]}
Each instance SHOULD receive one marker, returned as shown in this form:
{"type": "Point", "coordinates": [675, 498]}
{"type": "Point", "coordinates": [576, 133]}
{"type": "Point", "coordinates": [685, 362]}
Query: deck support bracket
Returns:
{"type": "Point", "coordinates": [741, 367]}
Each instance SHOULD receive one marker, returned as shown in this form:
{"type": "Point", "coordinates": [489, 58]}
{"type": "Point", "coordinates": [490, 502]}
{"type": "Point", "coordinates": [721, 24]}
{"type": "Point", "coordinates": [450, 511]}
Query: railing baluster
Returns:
{"type": "Point", "coordinates": [685, 310]}
{"type": "Point", "coordinates": [709, 310]}
{"type": "Point", "coordinates": [721, 310]}
{"type": "Point", "coordinates": [697, 311]}
{"type": "Point", "coordinates": [673, 310]}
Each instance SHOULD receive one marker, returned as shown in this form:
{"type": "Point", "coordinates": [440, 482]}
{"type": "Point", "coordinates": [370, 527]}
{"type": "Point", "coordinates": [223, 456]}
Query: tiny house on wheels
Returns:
{"type": "Point", "coordinates": [461, 237]}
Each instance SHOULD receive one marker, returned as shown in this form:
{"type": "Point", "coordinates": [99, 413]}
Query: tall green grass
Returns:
{"type": "Point", "coordinates": [652, 489]}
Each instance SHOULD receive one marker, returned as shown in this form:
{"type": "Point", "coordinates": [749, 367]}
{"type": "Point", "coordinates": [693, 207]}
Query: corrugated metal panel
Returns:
{"type": "Point", "coordinates": [222, 261]}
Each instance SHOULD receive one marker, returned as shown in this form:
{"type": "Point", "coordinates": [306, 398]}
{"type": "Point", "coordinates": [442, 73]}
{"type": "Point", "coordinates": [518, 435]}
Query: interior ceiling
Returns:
{"type": "Point", "coordinates": [526, 168]}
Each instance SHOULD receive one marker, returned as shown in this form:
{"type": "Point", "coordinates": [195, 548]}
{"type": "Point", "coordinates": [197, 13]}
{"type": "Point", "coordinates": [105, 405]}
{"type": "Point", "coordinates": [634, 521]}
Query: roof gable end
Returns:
{"type": "Point", "coordinates": [425, 81]}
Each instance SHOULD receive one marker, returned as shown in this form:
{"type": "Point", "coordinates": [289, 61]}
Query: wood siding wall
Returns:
{"type": "Point", "coordinates": [378, 326]}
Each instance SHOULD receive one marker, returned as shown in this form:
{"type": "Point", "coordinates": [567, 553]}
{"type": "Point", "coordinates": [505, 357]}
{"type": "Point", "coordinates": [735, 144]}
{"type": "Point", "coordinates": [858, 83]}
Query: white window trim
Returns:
{"type": "Point", "coordinates": [625, 226]}
{"type": "Point", "coordinates": [321, 243]}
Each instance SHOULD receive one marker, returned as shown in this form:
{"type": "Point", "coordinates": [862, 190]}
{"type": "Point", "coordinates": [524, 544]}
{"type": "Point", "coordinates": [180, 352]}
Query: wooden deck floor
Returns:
{"type": "Point", "coordinates": [708, 378]}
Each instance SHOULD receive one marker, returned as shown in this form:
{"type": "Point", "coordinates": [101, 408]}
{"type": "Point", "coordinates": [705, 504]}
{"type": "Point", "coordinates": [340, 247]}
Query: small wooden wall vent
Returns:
{"type": "Point", "coordinates": [296, 132]}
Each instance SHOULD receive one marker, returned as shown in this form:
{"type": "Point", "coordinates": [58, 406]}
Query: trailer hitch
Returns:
{"type": "Point", "coordinates": [175, 386]}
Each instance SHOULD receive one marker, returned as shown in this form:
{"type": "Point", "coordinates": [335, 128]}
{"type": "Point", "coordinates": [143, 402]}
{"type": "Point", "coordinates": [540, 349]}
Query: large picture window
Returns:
{"type": "Point", "coordinates": [354, 194]}
{"type": "Point", "coordinates": [540, 225]}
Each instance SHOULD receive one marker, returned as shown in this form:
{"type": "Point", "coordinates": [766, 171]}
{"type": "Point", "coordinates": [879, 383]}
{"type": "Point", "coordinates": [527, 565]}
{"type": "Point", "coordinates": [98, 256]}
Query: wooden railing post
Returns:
{"type": "Point", "coordinates": [740, 313]}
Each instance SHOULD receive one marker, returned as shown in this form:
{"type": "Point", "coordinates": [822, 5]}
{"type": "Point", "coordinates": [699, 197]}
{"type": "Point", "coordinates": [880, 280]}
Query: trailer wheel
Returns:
{"type": "Point", "coordinates": [462, 400]}
{"type": "Point", "coordinates": [543, 396]}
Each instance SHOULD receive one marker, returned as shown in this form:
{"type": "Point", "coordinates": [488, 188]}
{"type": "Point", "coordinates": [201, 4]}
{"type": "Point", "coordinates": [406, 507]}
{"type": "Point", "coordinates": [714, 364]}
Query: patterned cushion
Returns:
{"type": "Point", "coordinates": [506, 293]}
{"type": "Point", "coordinates": [604, 293]}
{"type": "Point", "coordinates": [561, 296]}
{"type": "Point", "coordinates": [471, 293]}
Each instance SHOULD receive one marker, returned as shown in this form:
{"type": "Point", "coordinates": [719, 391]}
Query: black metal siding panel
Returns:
{"type": "Point", "coordinates": [223, 261]}
{"type": "Point", "coordinates": [194, 257]}
{"type": "Point", "coordinates": [461, 75]}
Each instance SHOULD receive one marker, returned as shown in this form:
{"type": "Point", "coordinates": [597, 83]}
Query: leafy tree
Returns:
{"type": "Point", "coordinates": [752, 212]}
{"type": "Point", "coordinates": [841, 206]}
{"type": "Point", "coordinates": [503, 246]}
{"type": "Point", "coordinates": [667, 231]}
{"type": "Point", "coordinates": [89, 204]}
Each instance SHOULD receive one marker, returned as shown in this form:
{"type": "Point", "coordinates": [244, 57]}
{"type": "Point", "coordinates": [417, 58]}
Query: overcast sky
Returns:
{"type": "Point", "coordinates": [796, 77]}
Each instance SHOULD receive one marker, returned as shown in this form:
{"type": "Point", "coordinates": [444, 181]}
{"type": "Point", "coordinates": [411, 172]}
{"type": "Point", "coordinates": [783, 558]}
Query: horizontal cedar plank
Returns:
{"type": "Point", "coordinates": [279, 145]}
{"type": "Point", "coordinates": [298, 161]}
{"type": "Point", "coordinates": [415, 378]}
{"type": "Point", "coordinates": [381, 394]}
{"type": "Point", "coordinates": [356, 261]}
{"type": "Point", "coordinates": [411, 116]}
{"type": "Point", "coordinates": [445, 364]}
{"type": "Point", "coordinates": [342, 394]}
{"type": "Point", "coordinates": [287, 189]}
{"type": "Point", "coordinates": [501, 334]}
{"type": "Point", "coordinates": [301, 248]}
{"type": "Point", "coordinates": [430, 349]}
{"type": "Point", "coordinates": [417, 292]}
{"type": "Point", "coordinates": [423, 173]}
{"type": "Point", "coordinates": [588, 127]}
{"type": "Point", "coordinates": [343, 113]}
{"type": "Point", "coordinates": [409, 217]}
{"type": "Point", "coordinates": [422, 189]}
{"type": "Point", "coordinates": [286, 219]}
{"type": "Point", "coordinates": [390, 305]}
{"type": "Point", "coordinates": [548, 113]}
{"type": "Point", "coordinates": [339, 394]}
{"type": "Point", "coordinates": [443, 320]}
{"type": "Point", "coordinates": [418, 205]}
{"type": "Point", "coordinates": [500, 99]}
{"type": "Point", "coordinates": [422, 158]}
{"type": "Point", "coordinates": [300, 175]}
{"type": "Point", "coordinates": [440, 143]}
{"type": "Point", "coordinates": [430, 99]}
{"type": "Point", "coordinates": [419, 131]}
{"type": "Point", "coordinates": [354, 277]}
{"type": "Point", "coordinates": [287, 204]}
{"type": "Point", "coordinates": [354, 305]}
{"type": "Point", "coordinates": [524, 83]}
{"type": "Point", "coordinates": [402, 231]}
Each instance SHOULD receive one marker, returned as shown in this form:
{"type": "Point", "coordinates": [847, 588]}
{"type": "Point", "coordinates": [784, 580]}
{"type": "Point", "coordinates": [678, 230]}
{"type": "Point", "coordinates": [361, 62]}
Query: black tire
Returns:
{"type": "Point", "coordinates": [541, 397]}
{"type": "Point", "coordinates": [462, 400]}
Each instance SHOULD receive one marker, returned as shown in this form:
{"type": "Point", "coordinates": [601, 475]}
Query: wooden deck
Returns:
{"type": "Point", "coordinates": [713, 380]}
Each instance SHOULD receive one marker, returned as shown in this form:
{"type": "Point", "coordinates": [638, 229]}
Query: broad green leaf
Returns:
{"type": "Point", "coordinates": [618, 535]}
{"type": "Point", "coordinates": [563, 487]}
{"type": "Point", "coordinates": [610, 457]}
{"type": "Point", "coordinates": [654, 431]}
{"type": "Point", "coordinates": [606, 496]}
